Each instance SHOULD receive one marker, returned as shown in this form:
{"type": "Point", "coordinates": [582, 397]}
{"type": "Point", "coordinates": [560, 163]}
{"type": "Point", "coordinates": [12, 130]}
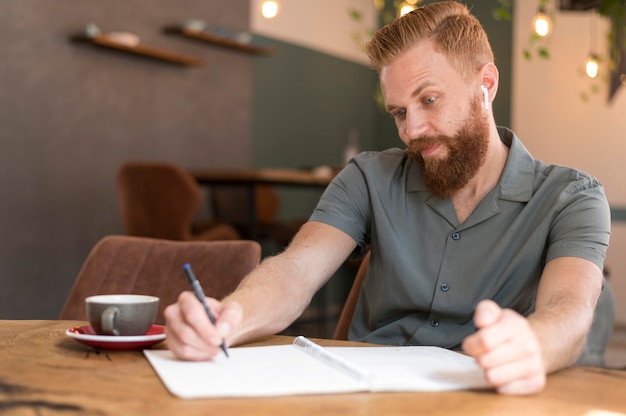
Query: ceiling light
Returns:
{"type": "Point", "coordinates": [592, 66]}
{"type": "Point", "coordinates": [542, 24]}
{"type": "Point", "coordinates": [407, 7]}
{"type": "Point", "coordinates": [270, 8]}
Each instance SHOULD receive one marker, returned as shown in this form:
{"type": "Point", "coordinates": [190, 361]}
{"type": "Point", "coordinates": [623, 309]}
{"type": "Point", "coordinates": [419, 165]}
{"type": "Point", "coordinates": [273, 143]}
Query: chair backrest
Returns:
{"type": "Point", "coordinates": [124, 264]}
{"type": "Point", "coordinates": [345, 319]}
{"type": "Point", "coordinates": [267, 204]}
{"type": "Point", "coordinates": [158, 200]}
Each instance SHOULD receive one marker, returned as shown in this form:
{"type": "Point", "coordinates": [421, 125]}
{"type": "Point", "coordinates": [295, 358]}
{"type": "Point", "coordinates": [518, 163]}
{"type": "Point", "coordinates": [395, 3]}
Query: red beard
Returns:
{"type": "Point", "coordinates": [466, 154]}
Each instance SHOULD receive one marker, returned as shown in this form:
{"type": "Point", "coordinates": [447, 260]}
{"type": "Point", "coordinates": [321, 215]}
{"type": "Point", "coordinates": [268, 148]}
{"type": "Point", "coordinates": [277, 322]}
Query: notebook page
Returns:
{"type": "Point", "coordinates": [251, 372]}
{"type": "Point", "coordinates": [328, 358]}
{"type": "Point", "coordinates": [415, 368]}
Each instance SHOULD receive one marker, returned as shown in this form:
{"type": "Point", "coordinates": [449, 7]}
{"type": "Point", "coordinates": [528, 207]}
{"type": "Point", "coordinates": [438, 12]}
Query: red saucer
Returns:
{"type": "Point", "coordinates": [86, 335]}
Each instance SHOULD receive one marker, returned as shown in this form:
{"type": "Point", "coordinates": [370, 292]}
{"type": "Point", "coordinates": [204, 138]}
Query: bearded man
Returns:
{"type": "Point", "coordinates": [475, 245]}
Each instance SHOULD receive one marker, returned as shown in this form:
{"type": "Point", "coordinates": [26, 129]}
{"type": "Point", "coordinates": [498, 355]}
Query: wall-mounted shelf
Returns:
{"type": "Point", "coordinates": [217, 39]}
{"type": "Point", "coordinates": [140, 49]}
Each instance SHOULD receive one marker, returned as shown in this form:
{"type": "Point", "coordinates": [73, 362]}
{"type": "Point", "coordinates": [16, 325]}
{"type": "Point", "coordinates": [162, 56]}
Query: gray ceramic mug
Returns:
{"type": "Point", "coordinates": [123, 315]}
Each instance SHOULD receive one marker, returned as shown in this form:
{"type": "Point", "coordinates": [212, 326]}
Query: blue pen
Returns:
{"type": "Point", "coordinates": [195, 284]}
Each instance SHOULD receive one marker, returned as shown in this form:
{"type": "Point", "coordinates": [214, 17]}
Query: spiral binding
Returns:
{"type": "Point", "coordinates": [330, 359]}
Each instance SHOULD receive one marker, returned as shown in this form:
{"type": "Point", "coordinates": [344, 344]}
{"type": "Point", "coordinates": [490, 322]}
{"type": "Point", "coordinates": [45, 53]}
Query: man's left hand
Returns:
{"type": "Point", "coordinates": [507, 349]}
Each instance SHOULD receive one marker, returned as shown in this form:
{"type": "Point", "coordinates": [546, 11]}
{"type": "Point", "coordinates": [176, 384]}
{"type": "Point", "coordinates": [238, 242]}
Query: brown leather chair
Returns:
{"type": "Point", "coordinates": [162, 200]}
{"type": "Point", "coordinates": [124, 264]}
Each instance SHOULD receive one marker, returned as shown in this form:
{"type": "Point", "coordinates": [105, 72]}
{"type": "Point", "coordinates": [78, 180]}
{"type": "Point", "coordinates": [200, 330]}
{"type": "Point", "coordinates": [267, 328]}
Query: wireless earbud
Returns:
{"type": "Point", "coordinates": [485, 97]}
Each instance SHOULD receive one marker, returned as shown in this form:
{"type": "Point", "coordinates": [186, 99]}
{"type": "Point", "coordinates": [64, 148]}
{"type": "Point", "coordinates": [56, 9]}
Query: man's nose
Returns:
{"type": "Point", "coordinates": [416, 125]}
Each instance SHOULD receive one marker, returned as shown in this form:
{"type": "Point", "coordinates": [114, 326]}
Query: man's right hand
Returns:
{"type": "Point", "coordinates": [191, 335]}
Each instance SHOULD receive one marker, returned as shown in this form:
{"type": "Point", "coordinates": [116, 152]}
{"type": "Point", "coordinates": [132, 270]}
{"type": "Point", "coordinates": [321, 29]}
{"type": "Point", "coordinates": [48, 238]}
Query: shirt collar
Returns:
{"type": "Point", "coordinates": [517, 180]}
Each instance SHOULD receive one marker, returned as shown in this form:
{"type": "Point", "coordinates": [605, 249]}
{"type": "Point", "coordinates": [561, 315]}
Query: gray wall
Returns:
{"type": "Point", "coordinates": [71, 113]}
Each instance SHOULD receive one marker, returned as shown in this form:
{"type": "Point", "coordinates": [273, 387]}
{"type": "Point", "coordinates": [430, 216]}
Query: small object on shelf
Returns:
{"type": "Point", "coordinates": [198, 29]}
{"type": "Point", "coordinates": [124, 38]}
{"type": "Point", "coordinates": [129, 42]}
{"type": "Point", "coordinates": [92, 30]}
{"type": "Point", "coordinates": [352, 147]}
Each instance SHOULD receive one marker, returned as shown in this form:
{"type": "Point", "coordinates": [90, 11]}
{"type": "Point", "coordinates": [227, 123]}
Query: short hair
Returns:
{"type": "Point", "coordinates": [449, 25]}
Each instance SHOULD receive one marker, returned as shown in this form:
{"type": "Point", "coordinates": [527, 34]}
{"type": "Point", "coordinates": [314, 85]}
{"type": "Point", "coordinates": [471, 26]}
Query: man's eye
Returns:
{"type": "Point", "coordinates": [429, 100]}
{"type": "Point", "coordinates": [398, 113]}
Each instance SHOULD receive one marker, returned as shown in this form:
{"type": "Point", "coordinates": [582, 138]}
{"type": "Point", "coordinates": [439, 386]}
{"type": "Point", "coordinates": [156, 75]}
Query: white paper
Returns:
{"type": "Point", "coordinates": [286, 370]}
{"type": "Point", "coordinates": [415, 368]}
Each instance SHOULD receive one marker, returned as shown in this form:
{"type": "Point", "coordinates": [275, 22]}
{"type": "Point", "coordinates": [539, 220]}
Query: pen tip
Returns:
{"type": "Point", "coordinates": [186, 266]}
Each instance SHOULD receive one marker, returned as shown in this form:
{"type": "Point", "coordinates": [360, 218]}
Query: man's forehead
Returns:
{"type": "Point", "coordinates": [414, 65]}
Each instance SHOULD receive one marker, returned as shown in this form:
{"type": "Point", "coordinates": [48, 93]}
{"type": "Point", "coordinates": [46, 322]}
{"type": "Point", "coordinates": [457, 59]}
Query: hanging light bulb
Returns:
{"type": "Point", "coordinates": [592, 66]}
{"type": "Point", "coordinates": [542, 24]}
{"type": "Point", "coordinates": [269, 8]}
{"type": "Point", "coordinates": [407, 7]}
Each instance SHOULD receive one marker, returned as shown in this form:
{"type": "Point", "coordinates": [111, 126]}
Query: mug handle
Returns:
{"type": "Point", "coordinates": [107, 320]}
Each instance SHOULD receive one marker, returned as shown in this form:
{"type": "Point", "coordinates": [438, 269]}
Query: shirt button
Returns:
{"type": "Point", "coordinates": [434, 323]}
{"type": "Point", "coordinates": [444, 287]}
{"type": "Point", "coordinates": [456, 236]}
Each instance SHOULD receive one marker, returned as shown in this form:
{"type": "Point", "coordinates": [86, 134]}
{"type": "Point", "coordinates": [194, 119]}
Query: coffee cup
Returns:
{"type": "Point", "coordinates": [122, 315]}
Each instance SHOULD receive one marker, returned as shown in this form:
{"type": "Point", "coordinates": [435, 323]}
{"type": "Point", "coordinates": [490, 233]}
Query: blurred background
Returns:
{"type": "Point", "coordinates": [72, 112]}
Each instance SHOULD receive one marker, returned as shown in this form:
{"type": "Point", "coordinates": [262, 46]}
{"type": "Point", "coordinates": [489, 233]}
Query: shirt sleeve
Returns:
{"type": "Point", "coordinates": [582, 225]}
{"type": "Point", "coordinates": [345, 205]}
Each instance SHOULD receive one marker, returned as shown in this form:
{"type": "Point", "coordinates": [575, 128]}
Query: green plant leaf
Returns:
{"type": "Point", "coordinates": [533, 38]}
{"type": "Point", "coordinates": [544, 53]}
{"type": "Point", "coordinates": [355, 15]}
{"type": "Point", "coordinates": [527, 55]}
{"type": "Point", "coordinates": [502, 14]}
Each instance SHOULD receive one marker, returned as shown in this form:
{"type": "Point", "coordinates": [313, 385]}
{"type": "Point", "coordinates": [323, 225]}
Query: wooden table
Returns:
{"type": "Point", "coordinates": [44, 372]}
{"type": "Point", "coordinates": [251, 178]}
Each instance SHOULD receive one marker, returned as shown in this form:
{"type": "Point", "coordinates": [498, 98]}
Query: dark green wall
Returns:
{"type": "Point", "coordinates": [305, 103]}
{"type": "Point", "coordinates": [501, 37]}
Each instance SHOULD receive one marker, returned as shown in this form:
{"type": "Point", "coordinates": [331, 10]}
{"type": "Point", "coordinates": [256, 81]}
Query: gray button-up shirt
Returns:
{"type": "Point", "coordinates": [428, 272]}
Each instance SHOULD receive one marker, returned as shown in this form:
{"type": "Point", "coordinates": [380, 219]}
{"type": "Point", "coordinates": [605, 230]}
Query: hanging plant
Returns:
{"type": "Point", "coordinates": [614, 10]}
{"type": "Point", "coordinates": [536, 43]}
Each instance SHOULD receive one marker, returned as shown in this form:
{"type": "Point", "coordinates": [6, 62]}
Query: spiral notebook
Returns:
{"type": "Point", "coordinates": [305, 367]}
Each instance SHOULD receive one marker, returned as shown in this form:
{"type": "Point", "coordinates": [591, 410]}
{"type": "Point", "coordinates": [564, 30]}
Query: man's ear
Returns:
{"type": "Point", "coordinates": [489, 77]}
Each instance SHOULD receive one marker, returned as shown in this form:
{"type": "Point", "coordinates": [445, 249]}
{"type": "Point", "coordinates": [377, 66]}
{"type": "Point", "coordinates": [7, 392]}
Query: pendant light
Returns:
{"type": "Point", "coordinates": [270, 8]}
{"type": "Point", "coordinates": [592, 64]}
{"type": "Point", "coordinates": [407, 7]}
{"type": "Point", "coordinates": [542, 23]}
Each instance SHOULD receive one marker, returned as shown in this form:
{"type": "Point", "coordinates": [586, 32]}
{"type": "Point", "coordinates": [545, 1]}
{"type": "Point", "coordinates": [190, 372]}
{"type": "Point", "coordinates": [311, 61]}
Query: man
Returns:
{"type": "Point", "coordinates": [474, 244]}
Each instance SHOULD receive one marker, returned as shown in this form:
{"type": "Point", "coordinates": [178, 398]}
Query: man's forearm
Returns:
{"type": "Point", "coordinates": [271, 298]}
{"type": "Point", "coordinates": [566, 301]}
{"type": "Point", "coordinates": [561, 332]}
